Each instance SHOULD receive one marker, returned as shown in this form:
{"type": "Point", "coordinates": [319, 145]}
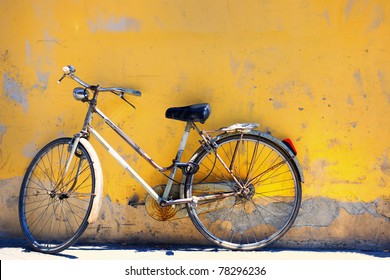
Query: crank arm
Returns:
{"type": "Point", "coordinates": [197, 199]}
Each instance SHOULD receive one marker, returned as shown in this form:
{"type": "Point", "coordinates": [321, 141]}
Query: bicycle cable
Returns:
{"type": "Point", "coordinates": [173, 180]}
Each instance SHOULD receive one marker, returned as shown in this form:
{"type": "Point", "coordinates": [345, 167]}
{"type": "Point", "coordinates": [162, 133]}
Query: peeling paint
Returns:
{"type": "Point", "coordinates": [326, 218]}
{"type": "Point", "coordinates": [27, 46]}
{"type": "Point", "coordinates": [378, 19]}
{"type": "Point", "coordinates": [3, 129]}
{"type": "Point", "coordinates": [322, 212]}
{"type": "Point", "coordinates": [113, 24]}
{"type": "Point", "coordinates": [333, 142]}
{"type": "Point", "coordinates": [278, 104]}
{"type": "Point", "coordinates": [249, 66]}
{"type": "Point", "coordinates": [350, 100]}
{"type": "Point", "coordinates": [12, 201]}
{"type": "Point", "coordinates": [43, 78]}
{"type": "Point", "coordinates": [30, 150]}
{"type": "Point", "coordinates": [347, 182]}
{"type": "Point", "coordinates": [15, 91]}
{"type": "Point", "coordinates": [312, 209]}
{"type": "Point", "coordinates": [348, 8]}
{"type": "Point", "coordinates": [4, 56]}
{"type": "Point", "coordinates": [234, 64]}
{"type": "Point", "coordinates": [325, 14]}
{"type": "Point", "coordinates": [385, 164]}
{"type": "Point", "coordinates": [384, 84]}
{"type": "Point", "coordinates": [359, 80]}
{"type": "Point", "coordinates": [293, 87]}
{"type": "Point", "coordinates": [358, 77]}
{"type": "Point", "coordinates": [319, 172]}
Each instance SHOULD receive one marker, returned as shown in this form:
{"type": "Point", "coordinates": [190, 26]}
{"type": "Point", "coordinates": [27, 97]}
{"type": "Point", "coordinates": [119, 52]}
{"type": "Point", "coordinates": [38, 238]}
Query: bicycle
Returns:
{"type": "Point", "coordinates": [241, 188]}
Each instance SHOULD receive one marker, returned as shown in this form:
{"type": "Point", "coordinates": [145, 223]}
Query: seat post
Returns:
{"type": "Point", "coordinates": [179, 154]}
{"type": "Point", "coordinates": [183, 141]}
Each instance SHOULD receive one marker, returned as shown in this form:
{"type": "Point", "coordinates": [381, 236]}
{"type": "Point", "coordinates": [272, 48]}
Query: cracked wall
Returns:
{"type": "Point", "coordinates": [317, 72]}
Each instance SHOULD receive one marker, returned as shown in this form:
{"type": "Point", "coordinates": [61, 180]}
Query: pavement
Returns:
{"type": "Point", "coordinates": [120, 261]}
{"type": "Point", "coordinates": [18, 250]}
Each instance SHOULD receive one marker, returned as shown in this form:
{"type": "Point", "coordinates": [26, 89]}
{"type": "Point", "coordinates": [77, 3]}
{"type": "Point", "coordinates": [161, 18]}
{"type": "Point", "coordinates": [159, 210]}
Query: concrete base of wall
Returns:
{"type": "Point", "coordinates": [322, 223]}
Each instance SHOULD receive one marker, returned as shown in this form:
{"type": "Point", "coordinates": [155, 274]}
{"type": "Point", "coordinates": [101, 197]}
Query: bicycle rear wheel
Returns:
{"type": "Point", "coordinates": [53, 206]}
{"type": "Point", "coordinates": [262, 192]}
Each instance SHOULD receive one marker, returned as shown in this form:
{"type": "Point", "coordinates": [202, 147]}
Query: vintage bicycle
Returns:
{"type": "Point", "coordinates": [241, 188]}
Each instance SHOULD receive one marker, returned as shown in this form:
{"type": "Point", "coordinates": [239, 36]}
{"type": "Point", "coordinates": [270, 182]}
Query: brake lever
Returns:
{"type": "Point", "coordinates": [121, 95]}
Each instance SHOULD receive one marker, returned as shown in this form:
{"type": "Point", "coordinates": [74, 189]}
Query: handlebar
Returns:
{"type": "Point", "coordinates": [70, 70]}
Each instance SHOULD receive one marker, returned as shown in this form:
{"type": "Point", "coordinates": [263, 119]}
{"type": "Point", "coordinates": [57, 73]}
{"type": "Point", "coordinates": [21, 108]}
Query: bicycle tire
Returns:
{"type": "Point", "coordinates": [54, 207]}
{"type": "Point", "coordinates": [256, 217]}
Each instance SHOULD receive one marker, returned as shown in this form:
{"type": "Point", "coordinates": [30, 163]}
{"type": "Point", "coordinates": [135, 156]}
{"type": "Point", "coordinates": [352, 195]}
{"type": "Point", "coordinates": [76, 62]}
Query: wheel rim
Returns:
{"type": "Point", "coordinates": [267, 196]}
{"type": "Point", "coordinates": [55, 208]}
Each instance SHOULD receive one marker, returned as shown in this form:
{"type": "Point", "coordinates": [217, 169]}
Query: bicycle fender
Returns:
{"type": "Point", "coordinates": [97, 201]}
{"type": "Point", "coordinates": [276, 141]}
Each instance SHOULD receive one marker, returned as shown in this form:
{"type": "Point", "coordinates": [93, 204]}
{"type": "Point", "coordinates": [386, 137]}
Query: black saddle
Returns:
{"type": "Point", "coordinates": [192, 113]}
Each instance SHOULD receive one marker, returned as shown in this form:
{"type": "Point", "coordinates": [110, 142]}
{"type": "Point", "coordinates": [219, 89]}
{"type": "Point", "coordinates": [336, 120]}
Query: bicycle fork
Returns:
{"type": "Point", "coordinates": [75, 142]}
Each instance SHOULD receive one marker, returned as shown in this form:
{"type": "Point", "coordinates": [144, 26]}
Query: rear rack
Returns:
{"type": "Point", "coordinates": [238, 127]}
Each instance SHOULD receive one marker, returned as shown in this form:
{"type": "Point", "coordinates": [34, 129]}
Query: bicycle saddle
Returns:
{"type": "Point", "coordinates": [193, 113]}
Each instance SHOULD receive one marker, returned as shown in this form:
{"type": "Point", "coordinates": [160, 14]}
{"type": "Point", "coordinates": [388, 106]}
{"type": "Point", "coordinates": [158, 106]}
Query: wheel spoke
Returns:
{"type": "Point", "coordinates": [267, 199]}
{"type": "Point", "coordinates": [55, 206]}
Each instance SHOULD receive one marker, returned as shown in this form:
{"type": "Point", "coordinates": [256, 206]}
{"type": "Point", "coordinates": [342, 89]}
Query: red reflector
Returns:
{"type": "Point", "coordinates": [290, 145]}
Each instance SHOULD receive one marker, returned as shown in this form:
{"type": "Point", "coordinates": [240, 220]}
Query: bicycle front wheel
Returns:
{"type": "Point", "coordinates": [248, 191]}
{"type": "Point", "coordinates": [54, 205]}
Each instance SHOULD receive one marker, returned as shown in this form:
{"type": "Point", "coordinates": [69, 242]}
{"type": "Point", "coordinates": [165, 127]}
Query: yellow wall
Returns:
{"type": "Point", "coordinates": [315, 71]}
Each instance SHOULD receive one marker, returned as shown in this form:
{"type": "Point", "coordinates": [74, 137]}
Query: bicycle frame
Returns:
{"type": "Point", "coordinates": [128, 168]}
{"type": "Point", "coordinates": [260, 176]}
{"type": "Point", "coordinates": [164, 199]}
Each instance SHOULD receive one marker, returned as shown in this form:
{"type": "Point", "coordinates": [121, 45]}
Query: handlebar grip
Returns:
{"type": "Point", "coordinates": [69, 69]}
{"type": "Point", "coordinates": [134, 92]}
{"type": "Point", "coordinates": [63, 76]}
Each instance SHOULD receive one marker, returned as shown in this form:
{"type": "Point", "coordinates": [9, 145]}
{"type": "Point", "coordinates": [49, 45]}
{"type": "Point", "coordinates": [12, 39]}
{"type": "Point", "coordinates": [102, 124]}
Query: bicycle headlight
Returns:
{"type": "Point", "coordinates": [80, 94]}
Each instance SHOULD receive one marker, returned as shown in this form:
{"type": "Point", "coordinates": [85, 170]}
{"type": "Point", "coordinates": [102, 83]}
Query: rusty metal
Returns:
{"type": "Point", "coordinates": [208, 197]}
{"type": "Point", "coordinates": [160, 213]}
